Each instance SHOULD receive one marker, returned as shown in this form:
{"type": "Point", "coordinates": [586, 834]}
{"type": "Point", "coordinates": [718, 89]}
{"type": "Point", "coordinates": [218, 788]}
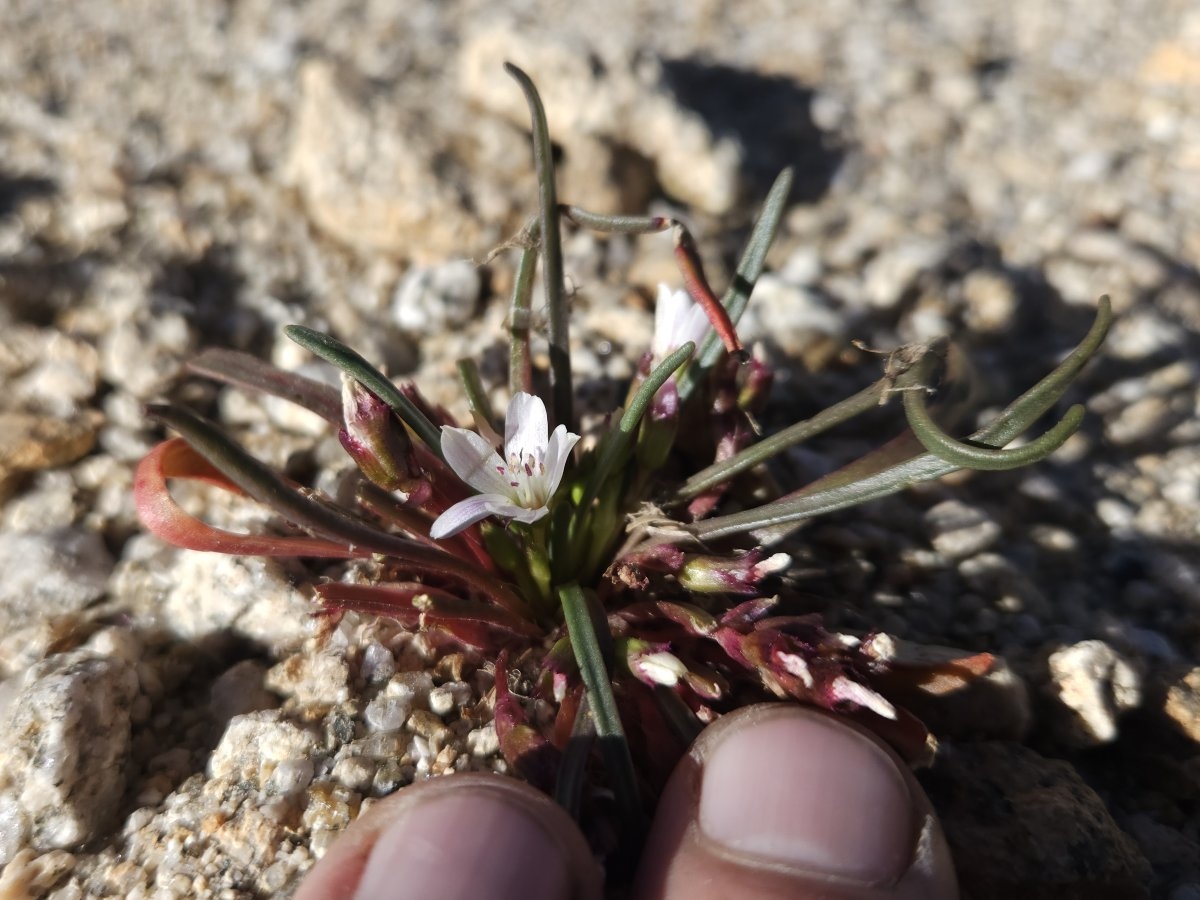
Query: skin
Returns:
{"type": "Point", "coordinates": [829, 814]}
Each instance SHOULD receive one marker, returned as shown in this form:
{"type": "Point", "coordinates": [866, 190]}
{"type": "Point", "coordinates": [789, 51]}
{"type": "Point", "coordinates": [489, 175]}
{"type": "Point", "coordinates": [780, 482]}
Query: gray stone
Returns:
{"type": "Point", "coordinates": [239, 690]}
{"type": "Point", "coordinates": [206, 173]}
{"type": "Point", "coordinates": [67, 738]}
{"type": "Point", "coordinates": [377, 663]}
{"type": "Point", "coordinates": [437, 297]}
{"type": "Point", "coordinates": [365, 166]}
{"type": "Point", "coordinates": [1021, 825]}
{"type": "Point", "coordinates": [602, 95]}
{"type": "Point", "coordinates": [960, 530]}
{"type": "Point", "coordinates": [50, 573]}
{"type": "Point", "coordinates": [197, 594]}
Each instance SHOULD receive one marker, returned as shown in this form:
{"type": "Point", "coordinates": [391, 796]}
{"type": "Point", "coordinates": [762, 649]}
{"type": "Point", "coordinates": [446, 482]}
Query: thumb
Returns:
{"type": "Point", "coordinates": [781, 802]}
{"type": "Point", "coordinates": [458, 837]}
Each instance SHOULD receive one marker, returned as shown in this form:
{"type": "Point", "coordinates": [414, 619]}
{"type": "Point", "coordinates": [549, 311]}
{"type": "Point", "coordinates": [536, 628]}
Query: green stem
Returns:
{"type": "Point", "coordinates": [613, 744]}
{"type": "Point", "coordinates": [617, 445]}
{"type": "Point", "coordinates": [552, 264]}
{"type": "Point", "coordinates": [520, 366]}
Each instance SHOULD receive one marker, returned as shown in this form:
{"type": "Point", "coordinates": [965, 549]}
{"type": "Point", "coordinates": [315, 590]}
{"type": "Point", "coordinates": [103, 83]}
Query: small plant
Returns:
{"type": "Point", "coordinates": [628, 583]}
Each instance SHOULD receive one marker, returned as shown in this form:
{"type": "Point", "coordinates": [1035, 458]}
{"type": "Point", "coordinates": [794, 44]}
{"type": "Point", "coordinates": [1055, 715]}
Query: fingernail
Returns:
{"type": "Point", "coordinates": [456, 847]}
{"type": "Point", "coordinates": [803, 791]}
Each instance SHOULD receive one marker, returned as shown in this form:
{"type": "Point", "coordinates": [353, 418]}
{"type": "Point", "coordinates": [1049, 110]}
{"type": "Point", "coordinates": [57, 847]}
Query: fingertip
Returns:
{"type": "Point", "coordinates": [462, 836]}
{"type": "Point", "coordinates": [781, 801]}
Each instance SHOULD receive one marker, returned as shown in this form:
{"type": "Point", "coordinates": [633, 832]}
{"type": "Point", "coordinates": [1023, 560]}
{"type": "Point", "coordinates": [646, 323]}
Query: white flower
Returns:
{"type": "Point", "coordinates": [677, 320]}
{"type": "Point", "coordinates": [520, 485]}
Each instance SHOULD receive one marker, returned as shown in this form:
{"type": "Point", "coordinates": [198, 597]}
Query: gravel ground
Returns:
{"type": "Point", "coordinates": [175, 176]}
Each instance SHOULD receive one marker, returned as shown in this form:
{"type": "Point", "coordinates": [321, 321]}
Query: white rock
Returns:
{"type": "Point", "coordinates": [253, 745]}
{"type": "Point", "coordinates": [891, 273]}
{"type": "Point", "coordinates": [420, 681]}
{"type": "Point", "coordinates": [251, 596]}
{"type": "Point", "coordinates": [484, 741]}
{"type": "Point", "coordinates": [378, 664]}
{"type": "Point", "coordinates": [594, 99]}
{"type": "Point", "coordinates": [367, 165]}
{"type": "Point", "coordinates": [1094, 685]}
{"type": "Point", "coordinates": [14, 827]}
{"type": "Point", "coordinates": [291, 776]}
{"type": "Point", "coordinates": [355, 772]}
{"type": "Point", "coordinates": [157, 344]}
{"type": "Point", "coordinates": [788, 317]}
{"type": "Point", "coordinates": [67, 737]}
{"type": "Point", "coordinates": [448, 697]}
{"type": "Point", "coordinates": [48, 503]}
{"type": "Point", "coordinates": [390, 710]}
{"type": "Point", "coordinates": [322, 678]}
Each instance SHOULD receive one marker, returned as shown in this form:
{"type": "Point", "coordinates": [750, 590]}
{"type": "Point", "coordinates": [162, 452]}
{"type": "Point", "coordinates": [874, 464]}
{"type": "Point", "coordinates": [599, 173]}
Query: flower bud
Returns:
{"type": "Point", "coordinates": [652, 663]}
{"type": "Point", "coordinates": [754, 386]}
{"type": "Point", "coordinates": [730, 575]}
{"type": "Point", "coordinates": [657, 434]}
{"type": "Point", "coordinates": [375, 439]}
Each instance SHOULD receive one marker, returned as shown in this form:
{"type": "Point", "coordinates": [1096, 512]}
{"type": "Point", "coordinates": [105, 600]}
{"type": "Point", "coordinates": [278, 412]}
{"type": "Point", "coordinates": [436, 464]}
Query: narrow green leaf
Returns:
{"type": "Point", "coordinates": [572, 773]}
{"type": "Point", "coordinates": [843, 489]}
{"type": "Point", "coordinates": [552, 265]}
{"type": "Point", "coordinates": [969, 456]}
{"type": "Point", "coordinates": [748, 270]}
{"type": "Point", "coordinates": [719, 472]}
{"type": "Point", "coordinates": [265, 485]}
{"type": "Point", "coordinates": [615, 224]}
{"type": "Point", "coordinates": [477, 400]}
{"type": "Point", "coordinates": [617, 446]}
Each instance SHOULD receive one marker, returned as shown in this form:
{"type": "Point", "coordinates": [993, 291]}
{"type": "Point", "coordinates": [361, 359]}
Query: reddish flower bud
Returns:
{"type": "Point", "coordinates": [376, 440]}
{"type": "Point", "coordinates": [652, 663]}
{"type": "Point", "coordinates": [730, 575]}
{"type": "Point", "coordinates": [755, 385]}
{"type": "Point", "coordinates": [657, 434]}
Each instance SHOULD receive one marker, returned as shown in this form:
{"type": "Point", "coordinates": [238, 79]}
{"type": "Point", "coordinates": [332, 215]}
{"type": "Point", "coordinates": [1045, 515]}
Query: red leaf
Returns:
{"type": "Point", "coordinates": [414, 604]}
{"type": "Point", "coordinates": [524, 748]}
{"type": "Point", "coordinates": [164, 518]}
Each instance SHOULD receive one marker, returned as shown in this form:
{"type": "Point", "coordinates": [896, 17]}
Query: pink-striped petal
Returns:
{"type": "Point", "coordinates": [525, 426]}
{"type": "Point", "coordinates": [474, 460]}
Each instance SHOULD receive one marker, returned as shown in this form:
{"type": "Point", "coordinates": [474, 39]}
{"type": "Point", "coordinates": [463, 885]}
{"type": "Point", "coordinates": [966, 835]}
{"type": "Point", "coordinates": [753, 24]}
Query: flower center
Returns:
{"type": "Point", "coordinates": [526, 475]}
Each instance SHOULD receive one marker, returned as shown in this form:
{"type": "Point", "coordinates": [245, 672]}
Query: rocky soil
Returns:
{"type": "Point", "coordinates": [181, 175]}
